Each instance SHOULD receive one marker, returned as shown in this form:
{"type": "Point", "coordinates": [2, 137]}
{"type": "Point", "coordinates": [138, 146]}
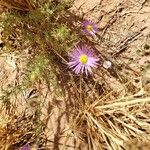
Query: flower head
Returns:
{"type": "Point", "coordinates": [89, 27]}
{"type": "Point", "coordinates": [82, 60]}
{"type": "Point", "coordinates": [27, 147]}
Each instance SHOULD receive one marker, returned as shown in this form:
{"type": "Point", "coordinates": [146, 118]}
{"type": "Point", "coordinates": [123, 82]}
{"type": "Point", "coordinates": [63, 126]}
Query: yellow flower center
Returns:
{"type": "Point", "coordinates": [89, 28]}
{"type": "Point", "coordinates": [83, 59]}
{"type": "Point", "coordinates": [33, 148]}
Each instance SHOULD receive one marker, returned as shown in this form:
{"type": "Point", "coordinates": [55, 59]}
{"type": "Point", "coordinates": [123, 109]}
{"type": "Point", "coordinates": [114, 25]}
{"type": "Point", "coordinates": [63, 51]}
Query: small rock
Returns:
{"type": "Point", "coordinates": [107, 64]}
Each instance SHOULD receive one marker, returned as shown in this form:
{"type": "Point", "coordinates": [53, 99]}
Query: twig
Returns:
{"type": "Point", "coordinates": [143, 3]}
{"type": "Point", "coordinates": [123, 44]}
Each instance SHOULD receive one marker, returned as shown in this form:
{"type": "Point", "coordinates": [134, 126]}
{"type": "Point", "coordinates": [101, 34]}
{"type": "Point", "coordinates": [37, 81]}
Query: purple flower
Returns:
{"type": "Point", "coordinates": [82, 60]}
{"type": "Point", "coordinates": [25, 147]}
{"type": "Point", "coordinates": [89, 27]}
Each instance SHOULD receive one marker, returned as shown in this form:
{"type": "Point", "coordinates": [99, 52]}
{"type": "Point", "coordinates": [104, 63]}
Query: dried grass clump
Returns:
{"type": "Point", "coordinates": [18, 130]}
{"type": "Point", "coordinates": [107, 122]}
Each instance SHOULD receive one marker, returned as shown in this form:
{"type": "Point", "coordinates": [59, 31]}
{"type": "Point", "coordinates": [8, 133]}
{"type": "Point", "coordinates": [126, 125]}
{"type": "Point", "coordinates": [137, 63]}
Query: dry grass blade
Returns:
{"type": "Point", "coordinates": [126, 103]}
